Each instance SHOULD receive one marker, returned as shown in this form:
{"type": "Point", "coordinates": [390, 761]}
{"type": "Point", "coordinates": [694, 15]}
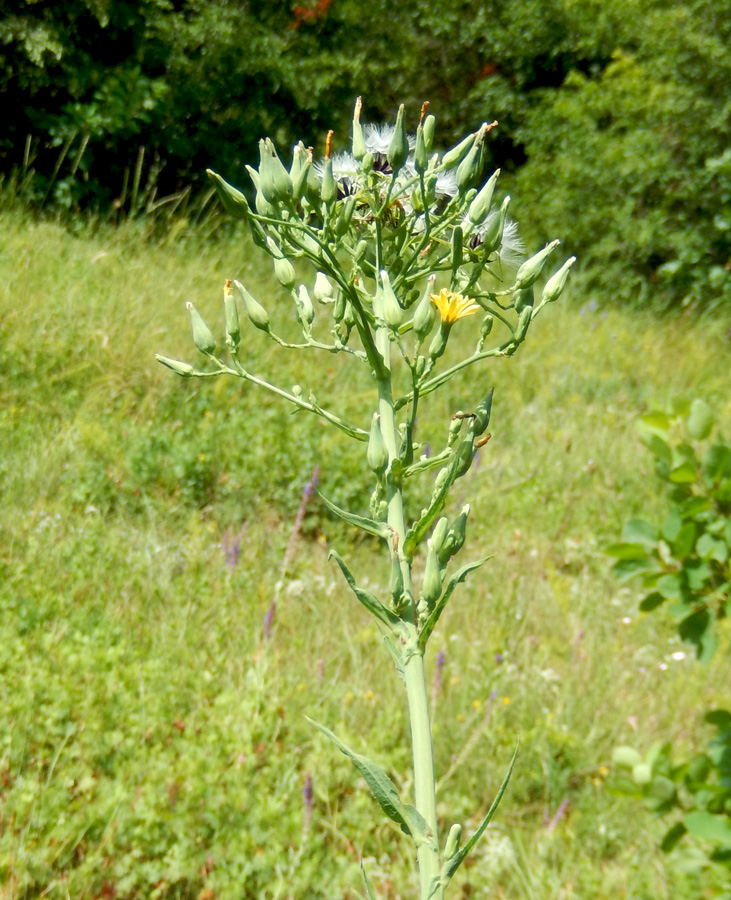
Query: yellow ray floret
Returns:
{"type": "Point", "coordinates": [453, 306]}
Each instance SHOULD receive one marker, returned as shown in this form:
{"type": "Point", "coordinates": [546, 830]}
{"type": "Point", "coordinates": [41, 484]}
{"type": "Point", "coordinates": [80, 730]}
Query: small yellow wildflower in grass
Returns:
{"type": "Point", "coordinates": [453, 306]}
{"type": "Point", "coordinates": [506, 700]}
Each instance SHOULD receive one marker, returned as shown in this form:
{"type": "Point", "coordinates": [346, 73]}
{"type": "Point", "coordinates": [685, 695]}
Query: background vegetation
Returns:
{"type": "Point", "coordinates": [614, 117]}
{"type": "Point", "coordinates": [152, 742]}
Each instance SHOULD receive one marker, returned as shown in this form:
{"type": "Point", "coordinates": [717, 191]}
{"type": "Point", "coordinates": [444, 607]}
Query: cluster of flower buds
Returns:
{"type": "Point", "coordinates": [402, 242]}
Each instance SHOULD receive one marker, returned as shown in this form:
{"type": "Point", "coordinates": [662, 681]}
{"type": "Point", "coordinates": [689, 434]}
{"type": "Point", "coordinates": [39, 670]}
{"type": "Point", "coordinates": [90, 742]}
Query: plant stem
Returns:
{"type": "Point", "coordinates": [414, 675]}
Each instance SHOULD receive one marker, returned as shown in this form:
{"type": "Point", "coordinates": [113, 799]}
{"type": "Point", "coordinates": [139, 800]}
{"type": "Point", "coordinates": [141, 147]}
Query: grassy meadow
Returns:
{"type": "Point", "coordinates": [152, 742]}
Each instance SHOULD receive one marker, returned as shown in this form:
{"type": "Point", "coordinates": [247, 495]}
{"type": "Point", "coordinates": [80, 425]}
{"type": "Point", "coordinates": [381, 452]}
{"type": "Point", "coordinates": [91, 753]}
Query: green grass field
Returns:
{"type": "Point", "coordinates": [152, 744]}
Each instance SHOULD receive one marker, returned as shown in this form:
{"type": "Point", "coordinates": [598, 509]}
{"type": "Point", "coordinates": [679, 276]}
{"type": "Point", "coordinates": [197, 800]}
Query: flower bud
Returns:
{"type": "Point", "coordinates": [367, 163]}
{"type": "Point", "coordinates": [482, 414]}
{"type": "Point", "coordinates": [305, 309]}
{"type": "Point", "coordinates": [359, 147]}
{"type": "Point", "coordinates": [329, 188]}
{"type": "Point", "coordinates": [439, 342]}
{"type": "Point", "coordinates": [431, 586]}
{"type": "Point", "coordinates": [393, 314]}
{"type": "Point", "coordinates": [440, 481]}
{"type": "Point", "coordinates": [454, 156]}
{"type": "Point", "coordinates": [254, 310]}
{"type": "Point", "coordinates": [486, 326]}
{"type": "Point", "coordinates": [470, 168]}
{"type": "Point", "coordinates": [180, 368]}
{"type": "Point", "coordinates": [523, 323]}
{"type": "Point", "coordinates": [453, 839]}
{"type": "Point", "coordinates": [274, 180]}
{"type": "Point", "coordinates": [313, 186]}
{"type": "Point", "coordinates": [258, 235]}
{"type": "Point", "coordinates": [339, 307]}
{"type": "Point", "coordinates": [531, 269]}
{"type": "Point", "coordinates": [398, 149]}
{"type": "Point", "coordinates": [429, 125]}
{"type": "Point", "coordinates": [284, 272]}
{"type": "Point", "coordinates": [425, 312]}
{"type": "Point", "coordinates": [457, 237]}
{"type": "Point", "coordinates": [480, 206]}
{"type": "Point", "coordinates": [231, 315]}
{"type": "Point", "coordinates": [465, 455]}
{"type": "Point", "coordinates": [439, 534]}
{"type": "Point", "coordinates": [376, 455]}
{"type": "Point", "coordinates": [232, 200]}
{"type": "Point", "coordinates": [396, 582]}
{"type": "Point", "coordinates": [262, 205]}
{"type": "Point", "coordinates": [301, 163]}
{"type": "Point", "coordinates": [493, 235]}
{"type": "Point", "coordinates": [557, 282]}
{"type": "Point", "coordinates": [523, 297]}
{"type": "Point", "coordinates": [323, 291]}
{"type": "Point", "coordinates": [345, 217]}
{"type": "Point", "coordinates": [202, 337]}
{"type": "Point", "coordinates": [420, 152]}
{"type": "Point", "coordinates": [420, 366]}
{"type": "Point", "coordinates": [458, 531]}
{"type": "Point", "coordinates": [361, 248]}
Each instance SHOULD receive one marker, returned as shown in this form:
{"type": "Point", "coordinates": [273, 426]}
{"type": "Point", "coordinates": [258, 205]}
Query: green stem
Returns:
{"type": "Point", "coordinates": [414, 674]}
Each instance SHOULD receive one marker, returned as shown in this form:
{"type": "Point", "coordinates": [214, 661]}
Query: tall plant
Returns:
{"type": "Point", "coordinates": [404, 245]}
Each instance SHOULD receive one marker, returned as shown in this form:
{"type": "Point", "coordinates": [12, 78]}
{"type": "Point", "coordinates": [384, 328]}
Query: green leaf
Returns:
{"type": "Point", "coordinates": [694, 506]}
{"type": "Point", "coordinates": [371, 603]}
{"type": "Point", "coordinates": [451, 865]}
{"type": "Point", "coordinates": [721, 718]}
{"type": "Point", "coordinates": [660, 793]}
{"type": "Point", "coordinates": [654, 421]}
{"type": "Point", "coordinates": [709, 547]}
{"type": "Point", "coordinates": [367, 883]}
{"type": "Point", "coordinates": [672, 837]}
{"type": "Point", "coordinates": [670, 586]}
{"type": "Point", "coordinates": [627, 551]}
{"type": "Point", "coordinates": [684, 540]}
{"type": "Point", "coordinates": [382, 788]}
{"type": "Point", "coordinates": [685, 473]}
{"type": "Point", "coordinates": [637, 531]}
{"type": "Point", "coordinates": [379, 529]}
{"type": "Point", "coordinates": [651, 601]}
{"type": "Point", "coordinates": [458, 577]}
{"type": "Point", "coordinates": [672, 525]}
{"type": "Point", "coordinates": [625, 569]}
{"type": "Point", "coordinates": [626, 756]}
{"type": "Point", "coordinates": [697, 574]}
{"type": "Point", "coordinates": [708, 827]}
{"type": "Point", "coordinates": [708, 647]}
{"type": "Point", "coordinates": [695, 629]}
{"type": "Point", "coordinates": [700, 420]}
{"type": "Point", "coordinates": [659, 449]}
{"type": "Point", "coordinates": [717, 462]}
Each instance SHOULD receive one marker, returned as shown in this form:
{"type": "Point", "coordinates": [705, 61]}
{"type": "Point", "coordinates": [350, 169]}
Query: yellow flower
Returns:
{"type": "Point", "coordinates": [453, 306]}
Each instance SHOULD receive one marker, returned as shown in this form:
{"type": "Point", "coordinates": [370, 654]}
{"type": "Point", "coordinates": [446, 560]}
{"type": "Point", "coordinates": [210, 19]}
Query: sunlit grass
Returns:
{"type": "Point", "coordinates": [153, 744]}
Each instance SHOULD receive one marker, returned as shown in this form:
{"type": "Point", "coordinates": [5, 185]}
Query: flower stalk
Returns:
{"type": "Point", "coordinates": [397, 242]}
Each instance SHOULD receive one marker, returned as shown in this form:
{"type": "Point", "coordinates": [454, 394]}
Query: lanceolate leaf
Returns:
{"type": "Point", "coordinates": [379, 529]}
{"type": "Point", "coordinates": [367, 883]}
{"type": "Point", "coordinates": [371, 602]}
{"type": "Point", "coordinates": [708, 826]}
{"type": "Point", "coordinates": [451, 865]}
{"type": "Point", "coordinates": [382, 788]}
{"type": "Point", "coordinates": [434, 615]}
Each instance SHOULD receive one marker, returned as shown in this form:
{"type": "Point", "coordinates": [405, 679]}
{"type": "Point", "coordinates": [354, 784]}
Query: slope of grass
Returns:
{"type": "Point", "coordinates": [152, 744]}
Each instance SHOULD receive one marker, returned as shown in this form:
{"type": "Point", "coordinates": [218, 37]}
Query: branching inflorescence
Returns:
{"type": "Point", "coordinates": [403, 244]}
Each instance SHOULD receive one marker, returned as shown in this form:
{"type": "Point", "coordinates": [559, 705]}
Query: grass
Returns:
{"type": "Point", "coordinates": [152, 744]}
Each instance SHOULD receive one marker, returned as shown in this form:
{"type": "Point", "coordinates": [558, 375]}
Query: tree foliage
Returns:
{"type": "Point", "coordinates": [614, 117]}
